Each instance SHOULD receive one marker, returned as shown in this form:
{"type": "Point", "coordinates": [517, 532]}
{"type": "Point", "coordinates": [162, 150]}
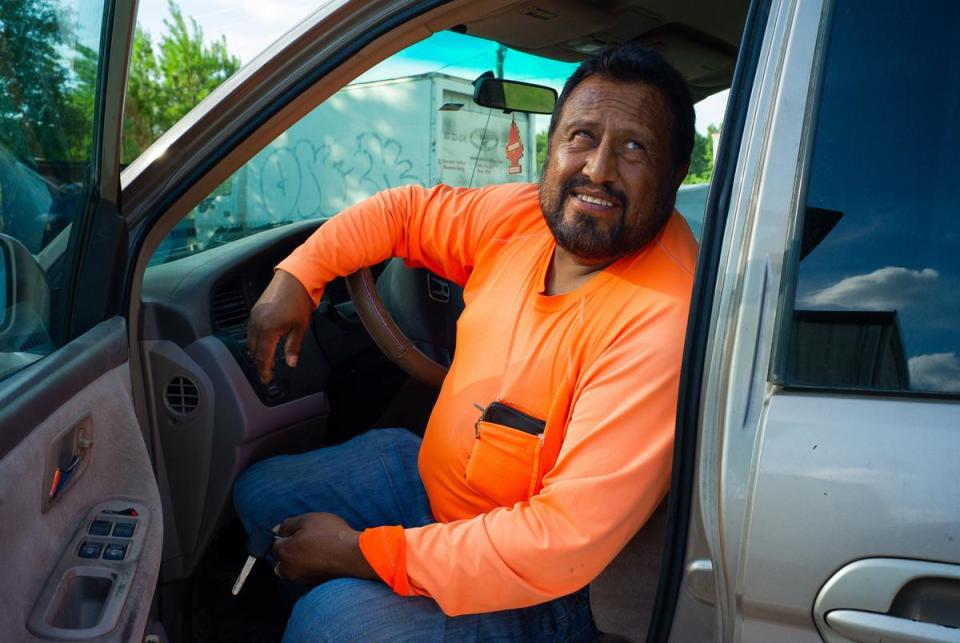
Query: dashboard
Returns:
{"type": "Point", "coordinates": [211, 416]}
{"type": "Point", "coordinates": [210, 413]}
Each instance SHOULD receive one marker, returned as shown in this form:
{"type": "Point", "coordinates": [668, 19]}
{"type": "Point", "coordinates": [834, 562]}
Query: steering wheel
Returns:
{"type": "Point", "coordinates": [377, 318]}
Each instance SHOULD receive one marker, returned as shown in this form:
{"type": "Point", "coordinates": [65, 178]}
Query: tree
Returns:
{"type": "Point", "coordinates": [701, 159]}
{"type": "Point", "coordinates": [46, 88]}
{"type": "Point", "coordinates": [169, 79]}
{"type": "Point", "coordinates": [541, 149]}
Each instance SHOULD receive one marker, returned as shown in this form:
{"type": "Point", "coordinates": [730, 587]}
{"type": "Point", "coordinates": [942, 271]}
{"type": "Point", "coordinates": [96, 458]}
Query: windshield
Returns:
{"type": "Point", "coordinates": [409, 119]}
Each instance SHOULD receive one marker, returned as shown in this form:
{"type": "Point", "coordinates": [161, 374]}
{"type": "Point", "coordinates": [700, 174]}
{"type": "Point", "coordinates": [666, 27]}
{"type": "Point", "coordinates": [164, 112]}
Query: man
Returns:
{"type": "Point", "coordinates": [550, 443]}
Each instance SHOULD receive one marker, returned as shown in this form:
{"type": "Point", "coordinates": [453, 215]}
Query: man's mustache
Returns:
{"type": "Point", "coordinates": [575, 182]}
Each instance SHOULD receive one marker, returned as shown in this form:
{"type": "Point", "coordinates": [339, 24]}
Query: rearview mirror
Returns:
{"type": "Point", "coordinates": [514, 96]}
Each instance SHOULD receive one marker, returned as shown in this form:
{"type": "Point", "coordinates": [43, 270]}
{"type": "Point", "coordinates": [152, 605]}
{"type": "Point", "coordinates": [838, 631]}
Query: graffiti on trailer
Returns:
{"type": "Point", "coordinates": [307, 180]}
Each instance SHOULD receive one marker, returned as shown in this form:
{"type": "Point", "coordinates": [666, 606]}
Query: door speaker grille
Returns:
{"type": "Point", "coordinates": [181, 396]}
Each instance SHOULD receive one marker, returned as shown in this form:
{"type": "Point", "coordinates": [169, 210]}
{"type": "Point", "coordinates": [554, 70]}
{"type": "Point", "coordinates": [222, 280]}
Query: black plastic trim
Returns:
{"type": "Point", "coordinates": [97, 284]}
{"type": "Point", "coordinates": [97, 246]}
{"type": "Point", "coordinates": [872, 393]}
{"type": "Point", "coordinates": [680, 500]}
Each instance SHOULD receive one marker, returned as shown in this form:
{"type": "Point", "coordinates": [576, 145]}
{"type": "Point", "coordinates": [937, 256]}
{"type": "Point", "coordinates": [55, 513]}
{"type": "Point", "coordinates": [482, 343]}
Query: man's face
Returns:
{"type": "Point", "coordinates": [609, 184]}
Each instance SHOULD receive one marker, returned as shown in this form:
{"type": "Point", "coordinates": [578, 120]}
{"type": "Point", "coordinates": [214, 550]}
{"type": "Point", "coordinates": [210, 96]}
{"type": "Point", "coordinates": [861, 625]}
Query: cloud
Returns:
{"type": "Point", "coordinates": [935, 372]}
{"type": "Point", "coordinates": [890, 288]}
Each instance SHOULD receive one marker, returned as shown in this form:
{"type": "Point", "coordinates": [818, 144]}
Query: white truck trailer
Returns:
{"type": "Point", "coordinates": [369, 136]}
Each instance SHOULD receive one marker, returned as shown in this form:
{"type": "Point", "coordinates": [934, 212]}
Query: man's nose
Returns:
{"type": "Point", "coordinates": [601, 164]}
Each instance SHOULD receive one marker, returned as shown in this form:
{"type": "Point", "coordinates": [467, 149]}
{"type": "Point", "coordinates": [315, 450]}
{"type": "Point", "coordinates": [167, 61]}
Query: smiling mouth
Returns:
{"type": "Point", "coordinates": [593, 203]}
{"type": "Point", "coordinates": [594, 200]}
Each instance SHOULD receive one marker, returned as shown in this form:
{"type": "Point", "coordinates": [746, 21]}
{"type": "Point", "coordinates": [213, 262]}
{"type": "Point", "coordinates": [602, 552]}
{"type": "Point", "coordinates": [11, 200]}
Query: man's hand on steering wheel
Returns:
{"type": "Point", "coordinates": [283, 310]}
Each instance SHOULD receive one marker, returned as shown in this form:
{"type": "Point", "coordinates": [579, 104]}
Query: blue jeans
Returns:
{"type": "Point", "coordinates": [369, 481]}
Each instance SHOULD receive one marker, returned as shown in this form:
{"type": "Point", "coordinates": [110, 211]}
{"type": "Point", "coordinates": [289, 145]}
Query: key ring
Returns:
{"type": "Point", "coordinates": [276, 569]}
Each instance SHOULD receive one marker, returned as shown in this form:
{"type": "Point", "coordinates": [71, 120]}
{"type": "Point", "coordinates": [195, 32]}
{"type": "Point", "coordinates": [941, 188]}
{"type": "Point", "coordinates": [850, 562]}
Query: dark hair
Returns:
{"type": "Point", "coordinates": [632, 63]}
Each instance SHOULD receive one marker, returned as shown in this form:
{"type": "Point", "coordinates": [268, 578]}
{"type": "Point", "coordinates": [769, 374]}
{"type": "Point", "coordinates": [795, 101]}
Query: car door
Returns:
{"type": "Point", "coordinates": [822, 373]}
{"type": "Point", "coordinates": [80, 516]}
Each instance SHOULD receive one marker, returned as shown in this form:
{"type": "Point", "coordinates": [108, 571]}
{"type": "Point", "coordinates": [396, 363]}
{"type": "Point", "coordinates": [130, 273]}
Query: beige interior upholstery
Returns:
{"type": "Point", "coordinates": [118, 468]}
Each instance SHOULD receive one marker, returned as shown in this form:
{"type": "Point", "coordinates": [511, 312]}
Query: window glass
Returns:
{"type": "Point", "coordinates": [49, 62]}
{"type": "Point", "coordinates": [48, 75]}
{"type": "Point", "coordinates": [876, 303]}
{"type": "Point", "coordinates": [184, 49]}
{"type": "Point", "coordinates": [410, 119]}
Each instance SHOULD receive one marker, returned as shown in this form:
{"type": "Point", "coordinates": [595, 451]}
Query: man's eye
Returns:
{"type": "Point", "coordinates": [633, 146]}
{"type": "Point", "coordinates": [581, 135]}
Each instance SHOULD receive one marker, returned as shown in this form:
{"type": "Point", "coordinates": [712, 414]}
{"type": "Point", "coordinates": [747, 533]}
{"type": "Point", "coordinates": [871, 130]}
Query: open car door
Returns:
{"type": "Point", "coordinates": [80, 516]}
{"type": "Point", "coordinates": [819, 433]}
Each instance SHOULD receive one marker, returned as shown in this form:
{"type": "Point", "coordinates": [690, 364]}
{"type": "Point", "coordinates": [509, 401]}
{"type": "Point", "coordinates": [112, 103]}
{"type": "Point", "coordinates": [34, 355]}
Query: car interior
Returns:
{"type": "Point", "coordinates": [204, 412]}
{"type": "Point", "coordinates": [214, 417]}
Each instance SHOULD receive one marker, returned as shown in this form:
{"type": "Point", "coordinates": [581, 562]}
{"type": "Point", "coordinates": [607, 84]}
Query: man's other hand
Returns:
{"type": "Point", "coordinates": [283, 310]}
{"type": "Point", "coordinates": [316, 547]}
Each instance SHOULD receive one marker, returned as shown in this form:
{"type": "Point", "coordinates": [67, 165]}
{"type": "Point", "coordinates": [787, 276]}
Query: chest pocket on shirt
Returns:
{"type": "Point", "coordinates": [505, 458]}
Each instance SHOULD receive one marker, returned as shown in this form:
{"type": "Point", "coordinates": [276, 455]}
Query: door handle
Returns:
{"type": "Point", "coordinates": [890, 600]}
{"type": "Point", "coordinates": [67, 457]}
{"type": "Point", "coordinates": [857, 625]}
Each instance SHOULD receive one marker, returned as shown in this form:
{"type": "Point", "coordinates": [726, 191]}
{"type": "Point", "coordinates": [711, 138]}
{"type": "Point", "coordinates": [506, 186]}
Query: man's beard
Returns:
{"type": "Point", "coordinates": [583, 236]}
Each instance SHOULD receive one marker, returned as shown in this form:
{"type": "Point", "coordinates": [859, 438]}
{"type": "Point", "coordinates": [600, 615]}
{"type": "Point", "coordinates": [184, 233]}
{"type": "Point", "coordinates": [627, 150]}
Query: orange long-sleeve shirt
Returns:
{"type": "Point", "coordinates": [599, 364]}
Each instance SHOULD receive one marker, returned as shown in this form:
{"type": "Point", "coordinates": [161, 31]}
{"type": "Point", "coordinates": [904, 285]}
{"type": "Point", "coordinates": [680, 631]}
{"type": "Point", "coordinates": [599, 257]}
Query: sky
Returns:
{"type": "Point", "coordinates": [250, 25]}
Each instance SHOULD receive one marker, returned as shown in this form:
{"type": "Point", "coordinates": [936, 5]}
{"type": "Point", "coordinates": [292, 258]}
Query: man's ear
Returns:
{"type": "Point", "coordinates": [680, 175]}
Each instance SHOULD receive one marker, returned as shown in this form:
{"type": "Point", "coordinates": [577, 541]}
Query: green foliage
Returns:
{"type": "Point", "coordinates": [169, 78]}
{"type": "Point", "coordinates": [701, 159]}
{"type": "Point", "coordinates": [47, 83]}
{"type": "Point", "coordinates": [541, 149]}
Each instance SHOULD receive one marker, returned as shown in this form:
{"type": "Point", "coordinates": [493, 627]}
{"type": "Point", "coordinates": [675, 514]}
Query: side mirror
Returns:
{"type": "Point", "coordinates": [513, 96]}
{"type": "Point", "coordinates": [24, 294]}
{"type": "Point", "coordinates": [6, 286]}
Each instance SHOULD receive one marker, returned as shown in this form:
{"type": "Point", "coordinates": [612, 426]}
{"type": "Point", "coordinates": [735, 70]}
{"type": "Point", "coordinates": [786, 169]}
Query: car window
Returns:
{"type": "Point", "coordinates": [875, 305]}
{"type": "Point", "coordinates": [409, 120]}
{"type": "Point", "coordinates": [49, 64]}
{"type": "Point", "coordinates": [184, 49]}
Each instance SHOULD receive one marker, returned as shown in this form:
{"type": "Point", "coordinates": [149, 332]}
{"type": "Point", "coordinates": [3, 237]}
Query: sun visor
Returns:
{"type": "Point", "coordinates": [705, 62]}
{"type": "Point", "coordinates": [532, 27]}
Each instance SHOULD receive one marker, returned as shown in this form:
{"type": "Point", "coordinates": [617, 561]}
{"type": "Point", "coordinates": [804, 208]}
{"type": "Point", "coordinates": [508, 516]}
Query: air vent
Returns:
{"type": "Point", "coordinates": [181, 396]}
{"type": "Point", "coordinates": [229, 307]}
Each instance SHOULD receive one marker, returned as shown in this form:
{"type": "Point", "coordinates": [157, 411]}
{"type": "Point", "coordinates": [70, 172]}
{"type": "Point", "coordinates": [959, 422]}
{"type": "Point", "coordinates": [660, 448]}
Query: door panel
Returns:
{"type": "Point", "coordinates": [86, 383]}
{"type": "Point", "coordinates": [837, 481]}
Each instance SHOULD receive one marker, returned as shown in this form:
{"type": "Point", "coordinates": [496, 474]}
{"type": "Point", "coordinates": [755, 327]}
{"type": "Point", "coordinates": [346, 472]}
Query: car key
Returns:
{"type": "Point", "coordinates": [258, 545]}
